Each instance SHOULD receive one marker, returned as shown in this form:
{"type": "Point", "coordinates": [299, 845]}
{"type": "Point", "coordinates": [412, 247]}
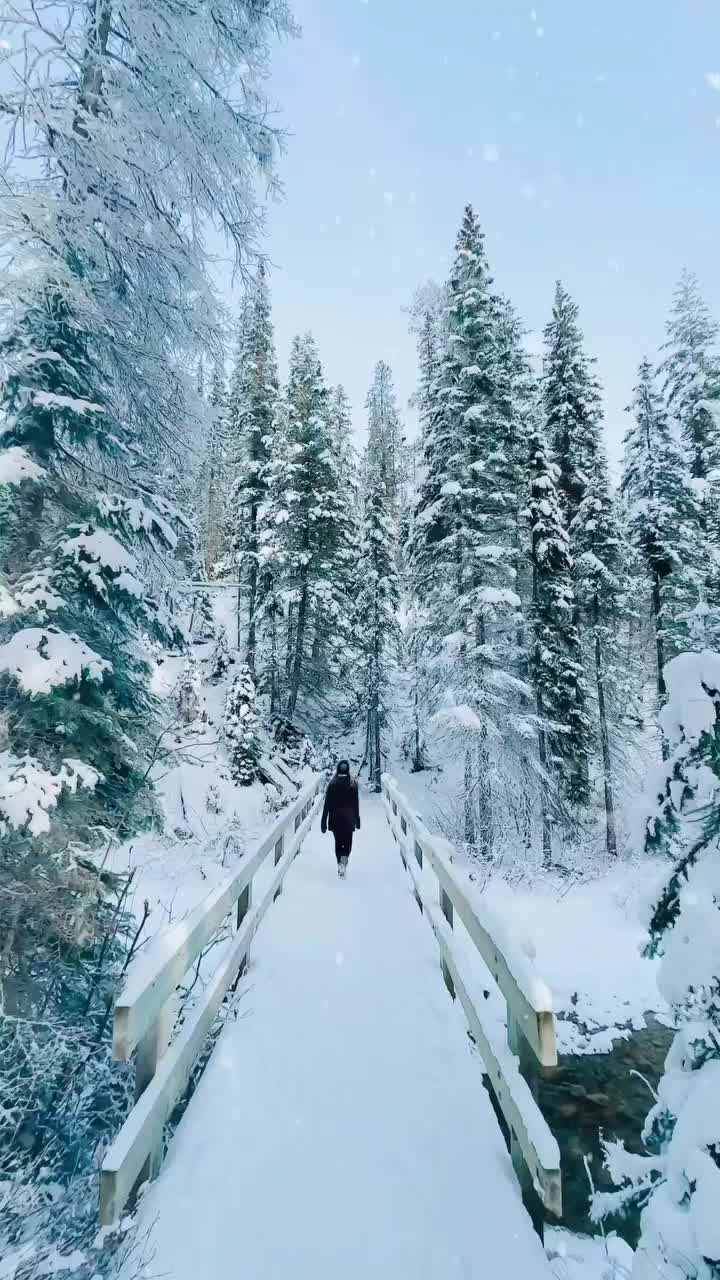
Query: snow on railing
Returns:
{"type": "Point", "coordinates": [511, 1059]}
{"type": "Point", "coordinates": [144, 1009]}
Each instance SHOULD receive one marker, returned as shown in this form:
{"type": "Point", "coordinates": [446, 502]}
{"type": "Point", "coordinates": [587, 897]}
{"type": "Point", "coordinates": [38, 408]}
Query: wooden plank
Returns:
{"type": "Point", "coordinates": [176, 948]}
{"type": "Point", "coordinates": [536, 1024]}
{"type": "Point", "coordinates": [513, 1095]}
{"type": "Point", "coordinates": [142, 1130]}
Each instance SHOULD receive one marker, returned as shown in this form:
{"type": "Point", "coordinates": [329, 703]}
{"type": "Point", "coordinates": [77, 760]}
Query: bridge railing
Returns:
{"type": "Point", "coordinates": [145, 1008]}
{"type": "Point", "coordinates": [511, 1062]}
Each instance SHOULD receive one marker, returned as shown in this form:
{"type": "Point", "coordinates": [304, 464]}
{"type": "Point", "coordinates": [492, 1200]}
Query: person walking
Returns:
{"type": "Point", "coordinates": [341, 813]}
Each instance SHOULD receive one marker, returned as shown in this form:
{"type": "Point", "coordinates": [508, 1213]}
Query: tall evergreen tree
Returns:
{"type": "Point", "coordinates": [663, 517]}
{"type": "Point", "coordinates": [600, 559]}
{"type": "Point", "coordinates": [691, 383]}
{"type": "Point", "coordinates": [385, 434]}
{"type": "Point", "coordinates": [571, 398]}
{"type": "Point", "coordinates": [304, 534]}
{"type": "Point", "coordinates": [556, 663]}
{"type": "Point", "coordinates": [251, 416]}
{"type": "Point", "coordinates": [691, 376]}
{"type": "Point", "coordinates": [377, 631]}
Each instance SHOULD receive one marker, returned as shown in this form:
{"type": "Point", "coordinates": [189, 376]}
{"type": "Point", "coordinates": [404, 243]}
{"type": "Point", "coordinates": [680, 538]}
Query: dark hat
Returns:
{"type": "Point", "coordinates": [343, 766]}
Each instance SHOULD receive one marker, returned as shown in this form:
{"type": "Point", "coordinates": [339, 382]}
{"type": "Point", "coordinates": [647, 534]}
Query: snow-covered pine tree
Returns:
{"type": "Point", "coordinates": [556, 665]}
{"type": "Point", "coordinates": [485, 614]}
{"type": "Point", "coordinates": [571, 399]}
{"type": "Point", "coordinates": [385, 434]}
{"type": "Point", "coordinates": [678, 1183]}
{"type": "Point", "coordinates": [251, 415]}
{"type": "Point", "coordinates": [304, 531]}
{"type": "Point", "coordinates": [691, 375]}
{"type": "Point", "coordinates": [662, 519]}
{"type": "Point", "coordinates": [691, 383]}
{"type": "Point", "coordinates": [241, 726]}
{"type": "Point", "coordinates": [377, 602]}
{"type": "Point", "coordinates": [600, 560]}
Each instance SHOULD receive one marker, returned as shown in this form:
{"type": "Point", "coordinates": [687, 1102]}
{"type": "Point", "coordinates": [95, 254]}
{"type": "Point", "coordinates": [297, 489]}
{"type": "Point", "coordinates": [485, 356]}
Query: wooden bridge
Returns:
{"type": "Point", "coordinates": [350, 1119]}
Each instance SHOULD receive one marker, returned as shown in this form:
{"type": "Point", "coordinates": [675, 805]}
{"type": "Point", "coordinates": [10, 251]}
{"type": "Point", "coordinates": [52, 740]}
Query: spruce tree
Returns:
{"type": "Point", "coordinates": [556, 655]}
{"type": "Point", "coordinates": [571, 399]}
{"type": "Point", "coordinates": [691, 383]}
{"type": "Point", "coordinates": [478, 378]}
{"type": "Point", "coordinates": [305, 534]}
{"type": "Point", "coordinates": [663, 517]}
{"type": "Point", "coordinates": [251, 415]}
{"type": "Point", "coordinates": [376, 615]}
{"type": "Point", "coordinates": [600, 560]}
{"type": "Point", "coordinates": [241, 727]}
{"type": "Point", "coordinates": [385, 434]}
{"type": "Point", "coordinates": [691, 376]}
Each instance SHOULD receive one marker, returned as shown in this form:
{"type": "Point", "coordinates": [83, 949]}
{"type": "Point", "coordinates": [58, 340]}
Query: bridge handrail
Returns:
{"type": "Point", "coordinates": [145, 1004]}
{"type": "Point", "coordinates": [530, 1020]}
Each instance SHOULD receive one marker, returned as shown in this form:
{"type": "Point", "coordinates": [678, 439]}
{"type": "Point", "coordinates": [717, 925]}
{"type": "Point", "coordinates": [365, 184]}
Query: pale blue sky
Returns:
{"type": "Point", "coordinates": [587, 135]}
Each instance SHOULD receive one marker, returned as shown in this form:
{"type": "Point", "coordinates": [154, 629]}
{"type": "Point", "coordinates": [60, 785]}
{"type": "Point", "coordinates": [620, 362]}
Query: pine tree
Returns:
{"type": "Point", "coordinates": [385, 434]}
{"type": "Point", "coordinates": [304, 534]}
{"type": "Point", "coordinates": [691, 376]}
{"type": "Point", "coordinates": [571, 399]}
{"type": "Point", "coordinates": [691, 383]}
{"type": "Point", "coordinates": [556, 655]}
{"type": "Point", "coordinates": [251, 415]}
{"type": "Point", "coordinates": [677, 1182]}
{"type": "Point", "coordinates": [600, 559]}
{"type": "Point", "coordinates": [464, 550]}
{"type": "Point", "coordinates": [663, 516]}
{"type": "Point", "coordinates": [376, 625]}
{"type": "Point", "coordinates": [485, 615]}
{"type": "Point", "coordinates": [241, 727]}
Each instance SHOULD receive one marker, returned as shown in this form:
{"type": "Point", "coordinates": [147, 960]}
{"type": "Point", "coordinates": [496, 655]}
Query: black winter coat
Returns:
{"type": "Point", "coordinates": [342, 805]}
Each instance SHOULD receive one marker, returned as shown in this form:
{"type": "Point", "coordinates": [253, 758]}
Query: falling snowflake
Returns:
{"type": "Point", "coordinates": [491, 153]}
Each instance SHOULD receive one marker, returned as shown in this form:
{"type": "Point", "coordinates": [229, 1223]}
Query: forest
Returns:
{"type": "Point", "coordinates": [486, 605]}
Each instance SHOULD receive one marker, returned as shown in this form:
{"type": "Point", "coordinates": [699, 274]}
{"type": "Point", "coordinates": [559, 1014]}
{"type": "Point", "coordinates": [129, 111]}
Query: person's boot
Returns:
{"type": "Point", "coordinates": [341, 868]}
{"type": "Point", "coordinates": [343, 864]}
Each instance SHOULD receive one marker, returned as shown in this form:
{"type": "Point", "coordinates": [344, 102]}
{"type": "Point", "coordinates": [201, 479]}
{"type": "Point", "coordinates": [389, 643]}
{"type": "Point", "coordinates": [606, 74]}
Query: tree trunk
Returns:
{"type": "Point", "coordinates": [659, 641]}
{"type": "Point", "coordinates": [544, 809]}
{"type": "Point", "coordinates": [485, 805]}
{"type": "Point", "coordinates": [610, 836]}
{"type": "Point", "coordinates": [468, 801]}
{"type": "Point", "coordinates": [297, 660]}
{"type": "Point", "coordinates": [378, 756]}
{"type": "Point", "coordinates": [252, 593]}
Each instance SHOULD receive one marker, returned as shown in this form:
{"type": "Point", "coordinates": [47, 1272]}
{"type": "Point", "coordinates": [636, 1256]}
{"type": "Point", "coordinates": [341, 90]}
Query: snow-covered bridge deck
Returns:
{"type": "Point", "coordinates": [341, 1127]}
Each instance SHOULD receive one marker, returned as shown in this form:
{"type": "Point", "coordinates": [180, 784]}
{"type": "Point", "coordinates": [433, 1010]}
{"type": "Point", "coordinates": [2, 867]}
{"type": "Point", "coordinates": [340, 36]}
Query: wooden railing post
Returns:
{"type": "Point", "coordinates": [279, 846]}
{"type": "Point", "coordinates": [147, 1056]}
{"type": "Point", "coordinates": [446, 907]}
{"type": "Point", "coordinates": [529, 1070]}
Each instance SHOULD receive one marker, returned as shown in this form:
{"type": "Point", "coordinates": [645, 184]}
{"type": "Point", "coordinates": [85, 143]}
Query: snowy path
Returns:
{"type": "Point", "coordinates": [341, 1128]}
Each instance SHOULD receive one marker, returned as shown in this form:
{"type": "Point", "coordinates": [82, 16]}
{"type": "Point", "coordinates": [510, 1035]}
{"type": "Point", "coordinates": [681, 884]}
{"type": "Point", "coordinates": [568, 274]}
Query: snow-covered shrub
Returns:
{"type": "Point", "coordinates": [241, 726]}
{"type": "Point", "coordinates": [188, 694]}
{"type": "Point", "coordinates": [213, 802]}
{"type": "Point", "coordinates": [220, 659]}
{"type": "Point", "coordinates": [678, 1181]}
